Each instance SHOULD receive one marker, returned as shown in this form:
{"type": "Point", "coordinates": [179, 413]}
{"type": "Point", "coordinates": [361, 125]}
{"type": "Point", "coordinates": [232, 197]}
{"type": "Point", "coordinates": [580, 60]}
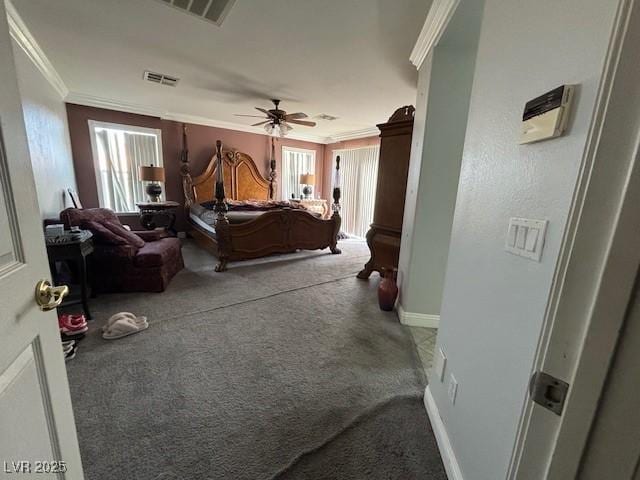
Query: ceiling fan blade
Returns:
{"type": "Point", "coordinates": [260, 123]}
{"type": "Point", "coordinates": [295, 116]}
{"type": "Point", "coordinates": [302, 122]}
{"type": "Point", "coordinates": [252, 116]}
{"type": "Point", "coordinates": [266, 112]}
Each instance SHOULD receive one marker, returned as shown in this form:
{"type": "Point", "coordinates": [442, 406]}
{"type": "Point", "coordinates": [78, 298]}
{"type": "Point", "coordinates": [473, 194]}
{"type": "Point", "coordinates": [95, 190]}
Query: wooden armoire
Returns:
{"type": "Point", "coordinates": [385, 233]}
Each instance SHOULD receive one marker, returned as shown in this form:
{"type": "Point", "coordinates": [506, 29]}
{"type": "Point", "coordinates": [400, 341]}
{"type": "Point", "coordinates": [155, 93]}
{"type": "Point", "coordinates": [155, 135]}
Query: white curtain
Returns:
{"type": "Point", "coordinates": [120, 154]}
{"type": "Point", "coordinates": [359, 177]}
{"type": "Point", "coordinates": [294, 164]}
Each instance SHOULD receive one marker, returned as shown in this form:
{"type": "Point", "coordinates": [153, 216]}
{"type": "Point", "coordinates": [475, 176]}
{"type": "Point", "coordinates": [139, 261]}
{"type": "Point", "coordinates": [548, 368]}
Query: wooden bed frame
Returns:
{"type": "Point", "coordinates": [276, 231]}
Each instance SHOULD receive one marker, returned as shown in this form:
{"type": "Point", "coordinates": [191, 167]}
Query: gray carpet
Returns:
{"type": "Point", "coordinates": [280, 368]}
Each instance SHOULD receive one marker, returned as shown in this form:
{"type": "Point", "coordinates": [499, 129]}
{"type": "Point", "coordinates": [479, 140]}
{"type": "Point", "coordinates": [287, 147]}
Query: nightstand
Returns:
{"type": "Point", "coordinates": [75, 249]}
{"type": "Point", "coordinates": [151, 211]}
{"type": "Point", "coordinates": [316, 205]}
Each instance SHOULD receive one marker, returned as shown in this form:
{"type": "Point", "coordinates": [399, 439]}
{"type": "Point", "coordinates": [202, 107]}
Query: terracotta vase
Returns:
{"type": "Point", "coordinates": [388, 289]}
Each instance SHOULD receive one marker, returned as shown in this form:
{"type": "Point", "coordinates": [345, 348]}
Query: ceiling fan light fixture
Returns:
{"type": "Point", "coordinates": [269, 128]}
{"type": "Point", "coordinates": [284, 129]}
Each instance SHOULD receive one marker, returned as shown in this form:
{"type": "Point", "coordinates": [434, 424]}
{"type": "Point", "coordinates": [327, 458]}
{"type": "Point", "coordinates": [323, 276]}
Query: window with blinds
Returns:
{"type": "Point", "coordinates": [359, 178]}
{"type": "Point", "coordinates": [295, 162]}
{"type": "Point", "coordinates": [118, 152]}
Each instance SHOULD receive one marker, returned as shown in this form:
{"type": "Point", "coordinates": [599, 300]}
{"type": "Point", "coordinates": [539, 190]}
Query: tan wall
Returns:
{"type": "Point", "coordinates": [201, 140]}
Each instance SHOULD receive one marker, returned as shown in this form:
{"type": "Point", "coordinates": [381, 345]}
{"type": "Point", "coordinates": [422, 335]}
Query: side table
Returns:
{"type": "Point", "coordinates": [76, 249]}
{"type": "Point", "coordinates": [151, 211]}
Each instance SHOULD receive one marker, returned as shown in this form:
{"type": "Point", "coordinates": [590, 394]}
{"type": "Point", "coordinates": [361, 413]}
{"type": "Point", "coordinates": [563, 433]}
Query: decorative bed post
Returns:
{"type": "Point", "coordinates": [223, 233]}
{"type": "Point", "coordinates": [336, 209]}
{"type": "Point", "coordinates": [273, 183]}
{"type": "Point", "coordinates": [278, 230]}
{"type": "Point", "coordinates": [185, 171]}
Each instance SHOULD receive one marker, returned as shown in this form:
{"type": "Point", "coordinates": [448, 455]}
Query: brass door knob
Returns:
{"type": "Point", "coordinates": [49, 297]}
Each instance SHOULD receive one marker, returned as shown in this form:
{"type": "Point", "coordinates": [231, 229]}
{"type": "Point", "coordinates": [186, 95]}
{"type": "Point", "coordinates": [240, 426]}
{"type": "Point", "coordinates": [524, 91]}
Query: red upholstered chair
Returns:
{"type": "Point", "coordinates": [143, 261]}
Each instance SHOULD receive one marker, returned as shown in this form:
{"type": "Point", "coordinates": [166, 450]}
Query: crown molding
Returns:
{"type": "Point", "coordinates": [99, 102]}
{"type": "Point", "coordinates": [434, 26]}
{"type": "Point", "coordinates": [22, 36]}
{"type": "Point", "coordinates": [293, 135]}
{"type": "Point", "coordinates": [364, 133]}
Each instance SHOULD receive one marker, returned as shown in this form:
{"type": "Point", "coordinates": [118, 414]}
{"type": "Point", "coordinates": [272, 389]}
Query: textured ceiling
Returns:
{"type": "Point", "coordinates": [346, 58]}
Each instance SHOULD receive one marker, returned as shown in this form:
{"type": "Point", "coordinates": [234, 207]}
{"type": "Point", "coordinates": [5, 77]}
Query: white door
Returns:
{"type": "Point", "coordinates": [598, 265]}
{"type": "Point", "coordinates": [37, 428]}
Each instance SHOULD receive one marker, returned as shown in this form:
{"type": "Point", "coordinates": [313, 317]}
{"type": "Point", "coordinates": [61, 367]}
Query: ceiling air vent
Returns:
{"type": "Point", "coordinates": [324, 116]}
{"type": "Point", "coordinates": [160, 78]}
{"type": "Point", "coordinates": [213, 11]}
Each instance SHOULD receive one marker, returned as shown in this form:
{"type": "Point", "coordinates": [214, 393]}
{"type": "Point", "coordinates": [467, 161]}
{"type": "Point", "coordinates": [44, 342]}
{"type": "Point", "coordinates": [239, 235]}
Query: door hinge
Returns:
{"type": "Point", "coordinates": [549, 392]}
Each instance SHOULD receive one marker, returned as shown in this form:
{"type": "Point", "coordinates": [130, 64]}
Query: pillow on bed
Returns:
{"type": "Point", "coordinates": [256, 205]}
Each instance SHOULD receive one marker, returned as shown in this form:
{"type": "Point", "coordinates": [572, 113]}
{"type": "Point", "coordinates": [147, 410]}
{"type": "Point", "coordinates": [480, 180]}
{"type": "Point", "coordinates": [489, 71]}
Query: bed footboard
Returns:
{"type": "Point", "coordinates": [277, 231]}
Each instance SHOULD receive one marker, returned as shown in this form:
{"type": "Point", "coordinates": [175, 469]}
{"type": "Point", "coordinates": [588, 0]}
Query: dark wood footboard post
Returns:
{"type": "Point", "coordinates": [185, 171]}
{"type": "Point", "coordinates": [273, 182]}
{"type": "Point", "coordinates": [223, 233]}
{"type": "Point", "coordinates": [337, 220]}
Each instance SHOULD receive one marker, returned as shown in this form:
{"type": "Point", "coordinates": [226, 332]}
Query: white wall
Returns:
{"type": "Point", "coordinates": [45, 118]}
{"type": "Point", "coordinates": [439, 156]}
{"type": "Point", "coordinates": [493, 302]}
{"type": "Point", "coordinates": [413, 178]}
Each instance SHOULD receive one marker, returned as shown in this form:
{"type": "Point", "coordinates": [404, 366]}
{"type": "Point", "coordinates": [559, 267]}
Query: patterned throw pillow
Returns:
{"type": "Point", "coordinates": [102, 234]}
{"type": "Point", "coordinates": [130, 237]}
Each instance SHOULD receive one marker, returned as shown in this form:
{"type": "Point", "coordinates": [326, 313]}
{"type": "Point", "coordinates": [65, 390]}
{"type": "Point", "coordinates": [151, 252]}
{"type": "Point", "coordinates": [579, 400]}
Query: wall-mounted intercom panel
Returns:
{"type": "Point", "coordinates": [546, 116]}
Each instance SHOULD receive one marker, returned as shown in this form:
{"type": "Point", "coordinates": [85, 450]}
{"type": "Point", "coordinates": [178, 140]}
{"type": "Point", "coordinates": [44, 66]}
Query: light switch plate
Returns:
{"type": "Point", "coordinates": [525, 237]}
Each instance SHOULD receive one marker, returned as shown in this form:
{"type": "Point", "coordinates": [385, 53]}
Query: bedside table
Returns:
{"type": "Point", "coordinates": [150, 211]}
{"type": "Point", "coordinates": [74, 249]}
{"type": "Point", "coordinates": [316, 205]}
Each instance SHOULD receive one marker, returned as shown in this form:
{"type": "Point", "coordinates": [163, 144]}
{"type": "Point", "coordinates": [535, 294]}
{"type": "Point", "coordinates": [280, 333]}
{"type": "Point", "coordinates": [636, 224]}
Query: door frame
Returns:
{"type": "Point", "coordinates": [598, 258]}
{"type": "Point", "coordinates": [598, 261]}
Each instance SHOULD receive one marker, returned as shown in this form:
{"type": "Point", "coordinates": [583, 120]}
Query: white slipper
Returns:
{"type": "Point", "coordinates": [114, 318]}
{"type": "Point", "coordinates": [124, 327]}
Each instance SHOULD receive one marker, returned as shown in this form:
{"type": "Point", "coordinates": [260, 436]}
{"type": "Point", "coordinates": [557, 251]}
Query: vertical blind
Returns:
{"type": "Point", "coordinates": [119, 155]}
{"type": "Point", "coordinates": [294, 164]}
{"type": "Point", "coordinates": [359, 172]}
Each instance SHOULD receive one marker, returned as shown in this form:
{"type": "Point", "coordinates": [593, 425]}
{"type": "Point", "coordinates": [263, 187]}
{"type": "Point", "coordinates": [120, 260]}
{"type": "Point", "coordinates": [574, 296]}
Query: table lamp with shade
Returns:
{"type": "Point", "coordinates": [308, 180]}
{"type": "Point", "coordinates": [153, 175]}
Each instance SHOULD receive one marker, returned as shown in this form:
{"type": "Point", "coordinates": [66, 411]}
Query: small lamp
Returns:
{"type": "Point", "coordinates": [153, 175]}
{"type": "Point", "coordinates": [308, 180]}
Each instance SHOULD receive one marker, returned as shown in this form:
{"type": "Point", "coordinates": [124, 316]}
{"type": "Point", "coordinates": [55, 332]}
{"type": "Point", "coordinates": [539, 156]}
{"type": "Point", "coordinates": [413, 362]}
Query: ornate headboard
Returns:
{"type": "Point", "coordinates": [242, 179]}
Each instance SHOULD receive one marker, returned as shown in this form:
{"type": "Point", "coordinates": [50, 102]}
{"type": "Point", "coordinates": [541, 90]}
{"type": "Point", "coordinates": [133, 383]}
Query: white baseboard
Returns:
{"type": "Point", "coordinates": [444, 444]}
{"type": "Point", "coordinates": [418, 319]}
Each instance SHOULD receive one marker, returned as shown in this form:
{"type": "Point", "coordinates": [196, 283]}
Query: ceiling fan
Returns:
{"type": "Point", "coordinates": [277, 121]}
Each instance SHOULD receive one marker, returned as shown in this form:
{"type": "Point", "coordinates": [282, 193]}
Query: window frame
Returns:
{"type": "Point", "coordinates": [95, 124]}
{"type": "Point", "coordinates": [282, 160]}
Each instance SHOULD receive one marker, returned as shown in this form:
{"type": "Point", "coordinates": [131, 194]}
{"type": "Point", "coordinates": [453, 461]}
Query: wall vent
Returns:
{"type": "Point", "coordinates": [324, 116]}
{"type": "Point", "coordinates": [160, 78]}
{"type": "Point", "coordinates": [213, 11]}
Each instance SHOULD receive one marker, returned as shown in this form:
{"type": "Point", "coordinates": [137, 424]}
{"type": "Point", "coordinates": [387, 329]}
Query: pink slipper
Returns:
{"type": "Point", "coordinates": [72, 324]}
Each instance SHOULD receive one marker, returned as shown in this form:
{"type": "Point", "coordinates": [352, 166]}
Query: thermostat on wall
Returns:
{"type": "Point", "coordinates": [546, 116]}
